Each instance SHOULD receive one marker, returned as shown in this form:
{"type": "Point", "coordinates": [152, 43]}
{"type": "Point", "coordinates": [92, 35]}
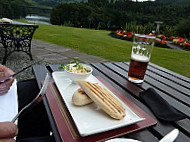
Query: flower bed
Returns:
{"type": "Point", "coordinates": [160, 41]}
{"type": "Point", "coordinates": [182, 42]}
{"type": "Point", "coordinates": [124, 35]}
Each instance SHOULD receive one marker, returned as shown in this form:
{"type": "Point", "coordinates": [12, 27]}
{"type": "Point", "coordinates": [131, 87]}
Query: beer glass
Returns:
{"type": "Point", "coordinates": [140, 56]}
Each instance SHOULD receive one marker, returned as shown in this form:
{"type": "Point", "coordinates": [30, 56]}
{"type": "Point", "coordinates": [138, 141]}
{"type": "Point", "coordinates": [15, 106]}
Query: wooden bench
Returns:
{"type": "Point", "coordinates": [16, 37]}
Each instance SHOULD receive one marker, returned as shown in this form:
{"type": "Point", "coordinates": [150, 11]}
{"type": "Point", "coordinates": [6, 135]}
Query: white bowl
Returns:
{"type": "Point", "coordinates": [79, 76]}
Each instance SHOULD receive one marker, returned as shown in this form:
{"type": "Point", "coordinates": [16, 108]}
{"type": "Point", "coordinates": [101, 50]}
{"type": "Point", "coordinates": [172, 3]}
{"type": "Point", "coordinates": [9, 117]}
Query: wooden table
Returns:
{"type": "Point", "coordinates": [173, 87]}
{"type": "Point", "coordinates": [16, 36]}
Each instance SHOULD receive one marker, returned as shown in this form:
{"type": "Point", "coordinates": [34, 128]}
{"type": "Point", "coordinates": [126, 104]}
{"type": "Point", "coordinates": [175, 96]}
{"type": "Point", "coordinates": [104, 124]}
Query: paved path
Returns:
{"type": "Point", "coordinates": [54, 54]}
{"type": "Point", "coordinates": [172, 46]}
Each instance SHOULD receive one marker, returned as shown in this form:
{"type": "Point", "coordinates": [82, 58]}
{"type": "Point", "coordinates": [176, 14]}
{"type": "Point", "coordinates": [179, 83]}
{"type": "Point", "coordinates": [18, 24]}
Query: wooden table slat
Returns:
{"type": "Point", "coordinates": [142, 136]}
{"type": "Point", "coordinates": [162, 87]}
{"type": "Point", "coordinates": [180, 77]}
{"type": "Point", "coordinates": [54, 67]}
{"type": "Point", "coordinates": [166, 75]}
{"type": "Point", "coordinates": [170, 83]}
{"type": "Point", "coordinates": [40, 73]}
{"type": "Point", "coordinates": [184, 125]}
{"type": "Point", "coordinates": [169, 77]}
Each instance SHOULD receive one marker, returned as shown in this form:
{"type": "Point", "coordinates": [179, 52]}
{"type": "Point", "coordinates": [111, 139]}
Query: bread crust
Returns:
{"type": "Point", "coordinates": [104, 99]}
{"type": "Point", "coordinates": [80, 98]}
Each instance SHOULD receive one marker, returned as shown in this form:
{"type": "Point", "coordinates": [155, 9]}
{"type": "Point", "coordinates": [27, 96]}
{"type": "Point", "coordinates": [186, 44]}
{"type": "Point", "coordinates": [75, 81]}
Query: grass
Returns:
{"type": "Point", "coordinates": [98, 43]}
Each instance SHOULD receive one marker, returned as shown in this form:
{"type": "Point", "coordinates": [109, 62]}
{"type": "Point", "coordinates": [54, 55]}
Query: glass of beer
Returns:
{"type": "Point", "coordinates": [140, 56]}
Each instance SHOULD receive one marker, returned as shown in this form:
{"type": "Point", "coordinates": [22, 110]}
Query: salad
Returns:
{"type": "Point", "coordinates": [75, 67]}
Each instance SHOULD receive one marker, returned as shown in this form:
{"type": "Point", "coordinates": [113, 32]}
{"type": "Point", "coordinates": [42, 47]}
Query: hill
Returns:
{"type": "Point", "coordinates": [15, 9]}
{"type": "Point", "coordinates": [175, 2]}
{"type": "Point", "coordinates": [12, 9]}
{"type": "Point", "coordinates": [53, 3]}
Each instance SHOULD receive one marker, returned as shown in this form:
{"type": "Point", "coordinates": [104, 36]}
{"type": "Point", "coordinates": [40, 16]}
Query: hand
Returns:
{"type": "Point", "coordinates": [5, 86]}
{"type": "Point", "coordinates": [8, 131]}
{"type": "Point", "coordinates": [7, 140]}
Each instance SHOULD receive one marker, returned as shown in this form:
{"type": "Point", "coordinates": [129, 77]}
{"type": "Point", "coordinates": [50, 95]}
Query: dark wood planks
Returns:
{"type": "Point", "coordinates": [168, 85]}
{"type": "Point", "coordinates": [54, 67]}
{"type": "Point", "coordinates": [175, 98]}
{"type": "Point", "coordinates": [171, 86]}
{"type": "Point", "coordinates": [118, 70]}
{"type": "Point", "coordinates": [168, 76]}
{"type": "Point", "coordinates": [133, 90]}
{"type": "Point", "coordinates": [40, 73]}
{"type": "Point", "coordinates": [181, 107]}
{"type": "Point", "coordinates": [180, 77]}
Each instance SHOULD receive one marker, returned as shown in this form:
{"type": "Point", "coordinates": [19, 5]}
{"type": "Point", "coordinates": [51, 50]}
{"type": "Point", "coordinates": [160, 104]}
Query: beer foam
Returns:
{"type": "Point", "coordinates": [139, 58]}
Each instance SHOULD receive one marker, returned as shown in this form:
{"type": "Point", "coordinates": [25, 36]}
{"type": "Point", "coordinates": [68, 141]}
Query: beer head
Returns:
{"type": "Point", "coordinates": [139, 58]}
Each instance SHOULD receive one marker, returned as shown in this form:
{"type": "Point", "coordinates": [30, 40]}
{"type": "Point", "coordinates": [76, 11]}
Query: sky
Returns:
{"type": "Point", "coordinates": [143, 0]}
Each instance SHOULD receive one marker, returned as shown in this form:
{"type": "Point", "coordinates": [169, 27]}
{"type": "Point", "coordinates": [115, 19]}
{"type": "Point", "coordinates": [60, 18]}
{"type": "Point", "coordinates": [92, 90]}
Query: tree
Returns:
{"type": "Point", "coordinates": [12, 8]}
{"type": "Point", "coordinates": [183, 28]}
{"type": "Point", "coordinates": [168, 30]}
{"type": "Point", "coordinates": [114, 14]}
{"type": "Point", "coordinates": [99, 3]}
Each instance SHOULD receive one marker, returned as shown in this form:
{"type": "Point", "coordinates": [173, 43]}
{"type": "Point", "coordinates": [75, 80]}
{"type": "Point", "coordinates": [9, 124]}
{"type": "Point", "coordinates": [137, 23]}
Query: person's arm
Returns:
{"type": "Point", "coordinates": [5, 86]}
{"type": "Point", "coordinates": [7, 140]}
{"type": "Point", "coordinates": [8, 131]}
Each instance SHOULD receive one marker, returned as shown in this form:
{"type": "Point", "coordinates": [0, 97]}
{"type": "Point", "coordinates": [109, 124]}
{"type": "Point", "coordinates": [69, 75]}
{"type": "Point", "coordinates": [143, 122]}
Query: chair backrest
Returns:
{"type": "Point", "coordinates": [16, 37]}
{"type": "Point", "coordinates": [17, 31]}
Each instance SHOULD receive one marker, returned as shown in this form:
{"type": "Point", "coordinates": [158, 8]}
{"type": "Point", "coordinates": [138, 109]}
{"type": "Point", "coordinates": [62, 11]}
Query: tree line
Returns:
{"type": "Point", "coordinates": [11, 8]}
{"type": "Point", "coordinates": [53, 3]}
{"type": "Point", "coordinates": [15, 9]}
{"type": "Point", "coordinates": [113, 14]}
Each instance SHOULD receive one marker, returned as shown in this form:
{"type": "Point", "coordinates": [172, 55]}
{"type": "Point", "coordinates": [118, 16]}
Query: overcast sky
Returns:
{"type": "Point", "coordinates": [143, 0]}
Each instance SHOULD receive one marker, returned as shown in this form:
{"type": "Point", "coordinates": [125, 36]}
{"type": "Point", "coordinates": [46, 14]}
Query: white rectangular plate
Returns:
{"type": "Point", "coordinates": [89, 119]}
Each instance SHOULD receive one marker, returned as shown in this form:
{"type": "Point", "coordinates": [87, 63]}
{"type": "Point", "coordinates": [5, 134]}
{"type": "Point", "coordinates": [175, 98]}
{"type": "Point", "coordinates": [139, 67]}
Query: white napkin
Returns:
{"type": "Point", "coordinates": [9, 104]}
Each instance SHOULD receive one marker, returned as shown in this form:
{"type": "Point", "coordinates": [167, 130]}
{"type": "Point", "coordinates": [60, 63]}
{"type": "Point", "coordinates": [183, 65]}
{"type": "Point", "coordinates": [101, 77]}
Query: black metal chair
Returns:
{"type": "Point", "coordinates": [16, 37]}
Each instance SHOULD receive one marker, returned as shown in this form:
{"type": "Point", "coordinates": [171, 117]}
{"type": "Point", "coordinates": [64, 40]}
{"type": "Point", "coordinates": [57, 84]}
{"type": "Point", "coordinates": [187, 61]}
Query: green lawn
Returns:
{"type": "Point", "coordinates": [98, 43]}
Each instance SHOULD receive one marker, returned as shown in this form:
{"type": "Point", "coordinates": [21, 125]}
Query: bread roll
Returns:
{"type": "Point", "coordinates": [80, 98]}
{"type": "Point", "coordinates": [104, 99]}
